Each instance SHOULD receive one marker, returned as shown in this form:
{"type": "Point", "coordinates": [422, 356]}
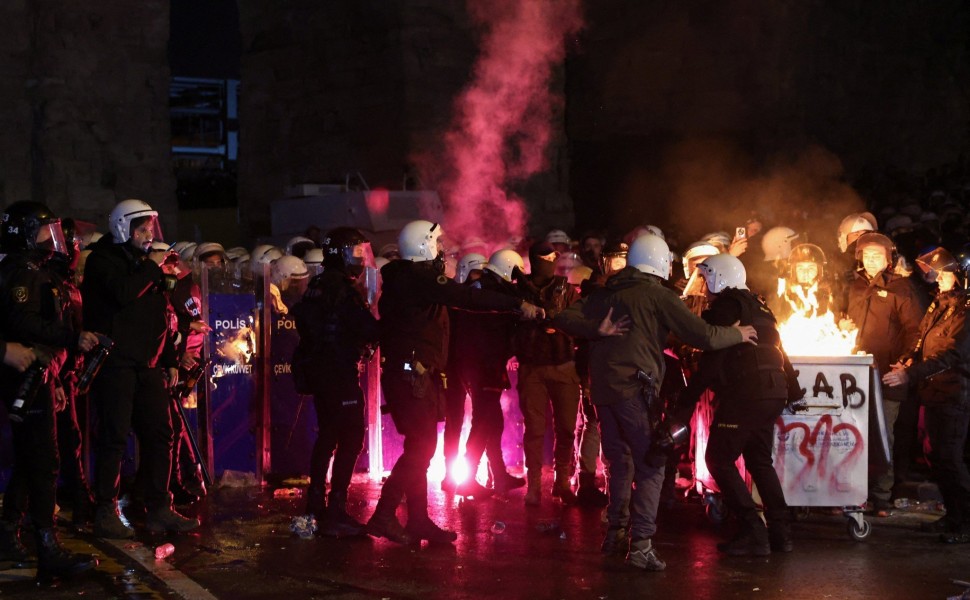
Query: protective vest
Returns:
{"type": "Point", "coordinates": [752, 371]}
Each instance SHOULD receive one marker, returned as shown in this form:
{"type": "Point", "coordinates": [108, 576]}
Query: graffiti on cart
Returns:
{"type": "Point", "coordinates": [827, 453]}
{"type": "Point", "coordinates": [852, 395]}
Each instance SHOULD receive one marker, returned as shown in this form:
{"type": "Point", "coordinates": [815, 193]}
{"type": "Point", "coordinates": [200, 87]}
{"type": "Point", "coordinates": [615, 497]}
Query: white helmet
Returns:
{"type": "Point", "coordinates": [286, 267]}
{"type": "Point", "coordinates": [558, 236]}
{"type": "Point", "coordinates": [718, 238]}
{"type": "Point", "coordinates": [119, 221]}
{"type": "Point", "coordinates": [265, 254]}
{"type": "Point", "coordinates": [160, 246]}
{"type": "Point", "coordinates": [650, 254]}
{"type": "Point", "coordinates": [723, 271]}
{"type": "Point", "coordinates": [313, 257]}
{"type": "Point", "coordinates": [177, 246]}
{"type": "Point", "coordinates": [188, 251]}
{"type": "Point", "coordinates": [776, 243]}
{"type": "Point", "coordinates": [208, 248]}
{"type": "Point", "coordinates": [469, 263]}
{"type": "Point", "coordinates": [298, 246]}
{"type": "Point", "coordinates": [418, 241]}
{"type": "Point", "coordinates": [503, 262]}
{"type": "Point", "coordinates": [854, 223]}
{"type": "Point", "coordinates": [656, 231]}
{"type": "Point", "coordinates": [89, 238]}
{"type": "Point", "coordinates": [701, 249]}
{"type": "Point", "coordinates": [235, 252]}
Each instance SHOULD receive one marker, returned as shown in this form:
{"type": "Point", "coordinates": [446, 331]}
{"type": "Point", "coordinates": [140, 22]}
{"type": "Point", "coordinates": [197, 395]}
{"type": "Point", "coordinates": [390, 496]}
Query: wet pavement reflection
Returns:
{"type": "Point", "coordinates": [245, 549]}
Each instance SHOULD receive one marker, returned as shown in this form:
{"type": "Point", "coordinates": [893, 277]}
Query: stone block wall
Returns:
{"type": "Point", "coordinates": [85, 96]}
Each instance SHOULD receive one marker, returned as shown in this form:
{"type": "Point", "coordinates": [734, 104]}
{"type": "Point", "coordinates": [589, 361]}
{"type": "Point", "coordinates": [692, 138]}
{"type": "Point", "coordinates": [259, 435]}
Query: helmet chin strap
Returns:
{"type": "Point", "coordinates": [439, 262]}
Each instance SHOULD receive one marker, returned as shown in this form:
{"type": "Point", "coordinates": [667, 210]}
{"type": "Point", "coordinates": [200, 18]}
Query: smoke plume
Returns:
{"type": "Point", "coordinates": [502, 121]}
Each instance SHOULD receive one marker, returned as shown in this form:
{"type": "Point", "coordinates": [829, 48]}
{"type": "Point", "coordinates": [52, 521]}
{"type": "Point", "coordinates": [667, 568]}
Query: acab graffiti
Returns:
{"type": "Point", "coordinates": [820, 453]}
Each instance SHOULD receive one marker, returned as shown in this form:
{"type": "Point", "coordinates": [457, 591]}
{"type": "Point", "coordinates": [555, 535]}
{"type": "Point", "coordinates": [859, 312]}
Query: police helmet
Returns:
{"type": "Point", "coordinates": [30, 226]}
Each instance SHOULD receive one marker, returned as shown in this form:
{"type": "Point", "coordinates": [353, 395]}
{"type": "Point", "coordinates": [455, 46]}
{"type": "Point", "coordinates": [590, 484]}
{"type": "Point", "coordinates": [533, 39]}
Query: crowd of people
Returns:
{"type": "Point", "coordinates": [618, 336]}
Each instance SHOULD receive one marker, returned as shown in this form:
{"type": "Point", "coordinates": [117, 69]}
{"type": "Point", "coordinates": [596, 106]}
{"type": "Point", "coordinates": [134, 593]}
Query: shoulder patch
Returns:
{"type": "Point", "coordinates": [20, 294]}
{"type": "Point", "coordinates": [442, 280]}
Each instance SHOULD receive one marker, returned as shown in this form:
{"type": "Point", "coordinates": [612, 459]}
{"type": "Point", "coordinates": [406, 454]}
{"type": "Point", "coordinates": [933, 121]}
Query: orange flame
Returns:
{"type": "Point", "coordinates": [810, 333]}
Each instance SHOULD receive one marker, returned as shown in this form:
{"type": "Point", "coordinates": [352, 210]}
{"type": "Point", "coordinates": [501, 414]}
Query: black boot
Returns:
{"type": "Point", "coordinates": [424, 529]}
{"type": "Point", "coordinates": [751, 540]}
{"type": "Point", "coordinates": [779, 536]}
{"type": "Point", "coordinates": [316, 502]}
{"type": "Point", "coordinates": [588, 495]}
{"type": "Point", "coordinates": [338, 523]}
{"type": "Point", "coordinates": [83, 507]}
{"type": "Point", "coordinates": [165, 518]}
{"type": "Point", "coordinates": [11, 548]}
{"type": "Point", "coordinates": [109, 524]}
{"type": "Point", "coordinates": [54, 561]}
{"type": "Point", "coordinates": [383, 523]}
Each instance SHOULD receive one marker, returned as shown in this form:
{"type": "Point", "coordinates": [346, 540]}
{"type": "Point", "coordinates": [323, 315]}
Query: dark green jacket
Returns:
{"type": "Point", "coordinates": [654, 312]}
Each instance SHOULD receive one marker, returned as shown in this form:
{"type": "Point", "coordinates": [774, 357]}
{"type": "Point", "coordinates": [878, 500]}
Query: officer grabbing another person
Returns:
{"type": "Point", "coordinates": [627, 323]}
{"type": "Point", "coordinates": [752, 384]}
{"type": "Point", "coordinates": [34, 309]}
{"type": "Point", "coordinates": [124, 296]}
{"type": "Point", "coordinates": [414, 343]}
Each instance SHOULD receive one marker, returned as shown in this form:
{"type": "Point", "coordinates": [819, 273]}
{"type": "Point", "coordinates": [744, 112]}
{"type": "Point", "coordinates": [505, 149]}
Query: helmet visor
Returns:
{"type": "Point", "coordinates": [50, 236]}
{"type": "Point", "coordinates": [359, 255]}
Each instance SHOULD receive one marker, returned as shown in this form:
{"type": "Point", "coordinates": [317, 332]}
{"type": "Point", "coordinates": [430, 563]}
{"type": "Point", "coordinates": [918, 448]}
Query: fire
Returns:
{"type": "Point", "coordinates": [807, 332]}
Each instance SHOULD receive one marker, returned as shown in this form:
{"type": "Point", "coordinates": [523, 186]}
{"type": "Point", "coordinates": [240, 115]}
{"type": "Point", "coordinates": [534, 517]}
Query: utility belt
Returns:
{"type": "Point", "coordinates": [426, 382]}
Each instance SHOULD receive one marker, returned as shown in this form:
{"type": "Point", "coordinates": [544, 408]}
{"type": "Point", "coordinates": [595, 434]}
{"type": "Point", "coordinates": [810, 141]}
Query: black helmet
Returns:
{"type": "Point", "coordinates": [31, 225]}
{"type": "Point", "coordinates": [803, 253]}
{"type": "Point", "coordinates": [614, 256]}
{"type": "Point", "coordinates": [340, 251]}
{"type": "Point", "coordinates": [938, 259]}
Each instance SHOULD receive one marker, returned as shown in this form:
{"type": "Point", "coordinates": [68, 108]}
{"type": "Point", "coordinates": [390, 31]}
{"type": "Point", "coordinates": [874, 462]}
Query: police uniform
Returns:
{"type": "Point", "coordinates": [125, 300]}
{"type": "Point", "coordinates": [887, 311]}
{"type": "Point", "coordinates": [482, 350]}
{"type": "Point", "coordinates": [34, 309]}
{"type": "Point", "coordinates": [941, 372]}
{"type": "Point", "coordinates": [414, 334]}
{"type": "Point", "coordinates": [336, 331]}
{"type": "Point", "coordinates": [752, 384]}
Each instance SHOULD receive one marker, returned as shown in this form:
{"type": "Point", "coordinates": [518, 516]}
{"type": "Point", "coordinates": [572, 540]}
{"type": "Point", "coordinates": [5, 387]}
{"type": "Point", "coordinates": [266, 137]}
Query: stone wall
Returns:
{"type": "Point", "coordinates": [85, 96]}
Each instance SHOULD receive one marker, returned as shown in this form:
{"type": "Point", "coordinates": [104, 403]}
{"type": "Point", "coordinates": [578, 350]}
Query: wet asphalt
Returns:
{"type": "Point", "coordinates": [245, 549]}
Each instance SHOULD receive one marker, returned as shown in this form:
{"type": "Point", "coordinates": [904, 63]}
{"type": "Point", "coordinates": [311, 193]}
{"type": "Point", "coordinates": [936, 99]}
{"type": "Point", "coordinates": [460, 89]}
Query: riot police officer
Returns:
{"type": "Point", "coordinates": [337, 331]}
{"type": "Point", "coordinates": [484, 347]}
{"type": "Point", "coordinates": [414, 343]}
{"type": "Point", "coordinates": [938, 366]}
{"type": "Point", "coordinates": [752, 384]}
{"type": "Point", "coordinates": [124, 298]}
{"type": "Point", "coordinates": [34, 309]}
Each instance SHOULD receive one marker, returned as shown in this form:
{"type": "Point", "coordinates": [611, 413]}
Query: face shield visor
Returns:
{"type": "Point", "coordinates": [50, 236]}
{"type": "Point", "coordinates": [144, 231]}
{"type": "Point", "coordinates": [357, 258]}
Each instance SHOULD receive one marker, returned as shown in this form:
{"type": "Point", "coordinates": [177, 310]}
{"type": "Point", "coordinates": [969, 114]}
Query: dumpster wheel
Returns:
{"type": "Point", "coordinates": [859, 528]}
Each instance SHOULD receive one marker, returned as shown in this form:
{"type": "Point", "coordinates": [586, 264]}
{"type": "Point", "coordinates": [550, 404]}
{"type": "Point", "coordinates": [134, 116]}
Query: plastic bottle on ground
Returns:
{"type": "Point", "coordinates": [164, 551]}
